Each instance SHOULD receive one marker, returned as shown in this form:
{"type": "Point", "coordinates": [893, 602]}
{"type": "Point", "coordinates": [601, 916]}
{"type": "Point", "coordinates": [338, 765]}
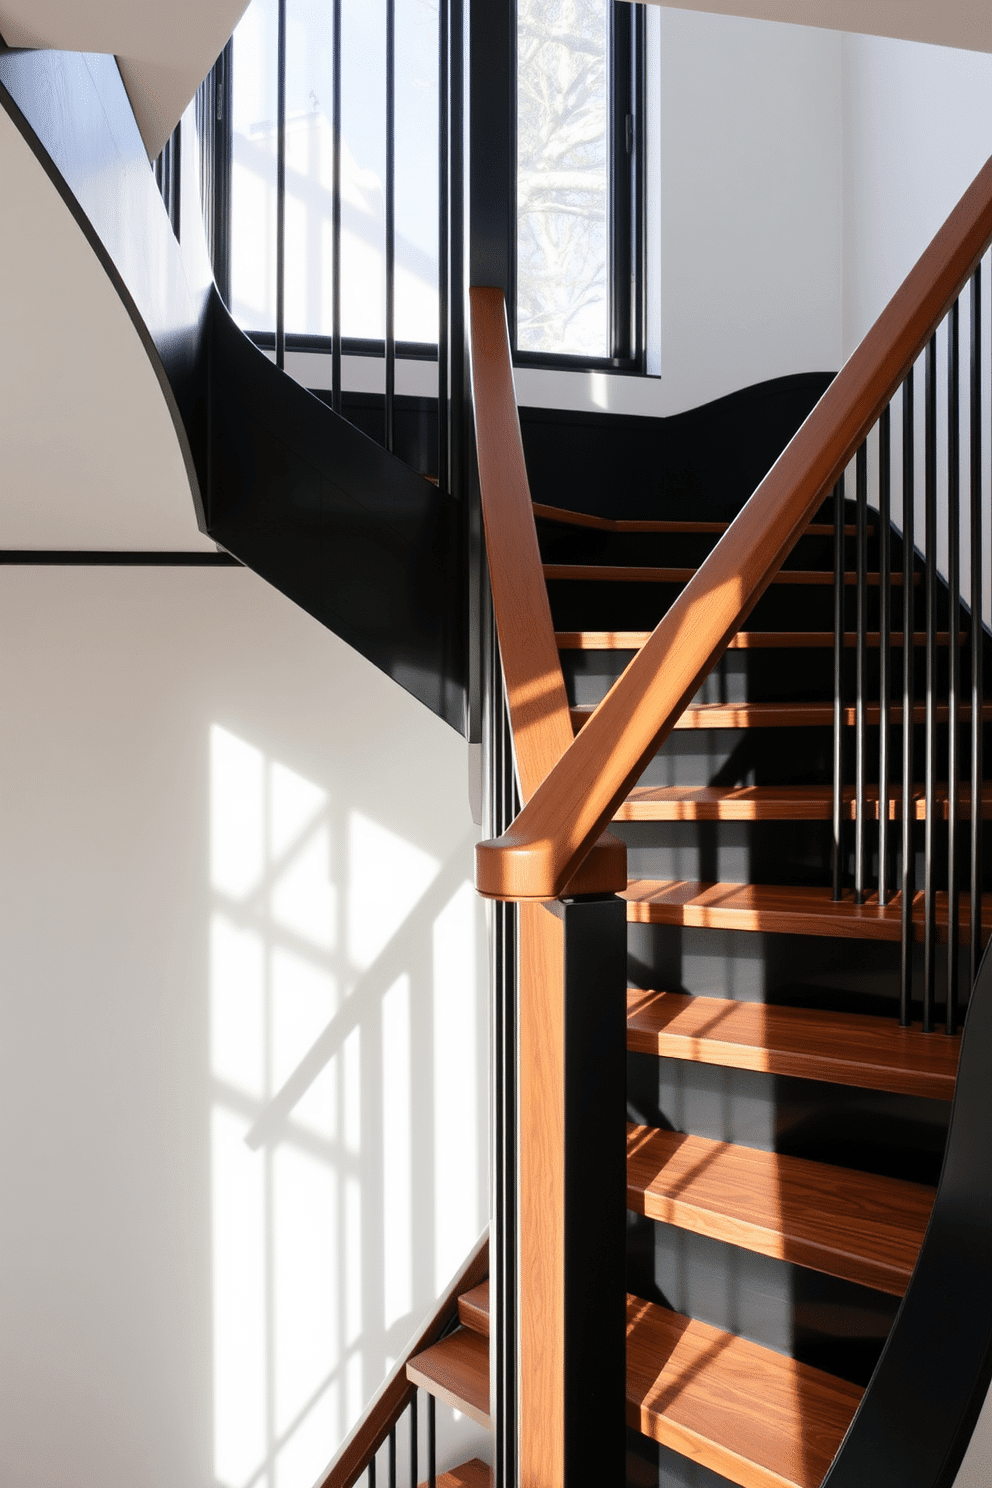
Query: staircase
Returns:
{"type": "Point", "coordinates": [785, 1133]}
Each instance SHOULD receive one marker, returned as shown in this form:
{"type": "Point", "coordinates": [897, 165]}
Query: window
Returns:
{"type": "Point", "coordinates": [580, 166]}
{"type": "Point", "coordinates": [310, 73]}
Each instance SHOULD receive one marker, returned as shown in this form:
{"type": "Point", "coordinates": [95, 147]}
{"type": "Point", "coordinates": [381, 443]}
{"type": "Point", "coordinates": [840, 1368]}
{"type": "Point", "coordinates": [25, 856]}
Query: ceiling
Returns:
{"type": "Point", "coordinates": [164, 50]}
{"type": "Point", "coordinates": [956, 23]}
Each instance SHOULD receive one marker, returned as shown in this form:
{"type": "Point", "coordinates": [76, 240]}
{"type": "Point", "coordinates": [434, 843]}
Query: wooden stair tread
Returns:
{"type": "Point", "coordinates": [761, 1419]}
{"type": "Point", "coordinates": [841, 1048]}
{"type": "Point", "coordinates": [456, 1370]}
{"type": "Point", "coordinates": [786, 715]}
{"type": "Point", "coordinates": [626, 524]}
{"type": "Point", "coordinates": [471, 1474]}
{"type": "Point", "coordinates": [783, 909]}
{"type": "Point", "coordinates": [629, 573]}
{"type": "Point", "coordinates": [744, 640]}
{"type": "Point", "coordinates": [473, 1309]}
{"type": "Point", "coordinates": [775, 803]}
{"type": "Point", "coordinates": [757, 1417]}
{"type": "Point", "coordinates": [857, 1226]}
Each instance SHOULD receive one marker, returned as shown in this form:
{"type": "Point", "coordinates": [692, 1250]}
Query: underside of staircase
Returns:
{"type": "Point", "coordinates": [785, 1134]}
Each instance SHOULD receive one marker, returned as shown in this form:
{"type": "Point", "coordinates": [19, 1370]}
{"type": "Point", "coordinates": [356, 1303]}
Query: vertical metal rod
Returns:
{"type": "Point", "coordinates": [861, 707]}
{"type": "Point", "coordinates": [953, 655]}
{"type": "Point", "coordinates": [884, 648]}
{"type": "Point", "coordinates": [977, 634]}
{"type": "Point", "coordinates": [908, 699]}
{"type": "Point", "coordinates": [414, 1443]}
{"type": "Point", "coordinates": [431, 1442]}
{"type": "Point", "coordinates": [390, 347]}
{"type": "Point", "coordinates": [281, 184]}
{"type": "Point", "coordinates": [930, 556]}
{"type": "Point", "coordinates": [392, 1458]}
{"type": "Point", "coordinates": [838, 844]}
{"type": "Point", "coordinates": [336, 209]}
{"type": "Point", "coordinates": [372, 1471]}
{"type": "Point", "coordinates": [443, 189]}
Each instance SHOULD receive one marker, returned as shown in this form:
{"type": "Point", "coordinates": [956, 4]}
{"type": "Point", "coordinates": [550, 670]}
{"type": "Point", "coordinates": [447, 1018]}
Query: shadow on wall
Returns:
{"type": "Point", "coordinates": [245, 1003]}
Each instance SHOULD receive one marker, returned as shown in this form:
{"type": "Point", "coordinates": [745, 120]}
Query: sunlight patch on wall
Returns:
{"type": "Point", "coordinates": [344, 1184]}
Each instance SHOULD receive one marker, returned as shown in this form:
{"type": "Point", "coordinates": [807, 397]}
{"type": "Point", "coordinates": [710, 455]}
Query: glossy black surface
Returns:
{"type": "Point", "coordinates": [706, 461]}
{"type": "Point", "coordinates": [348, 531]}
{"type": "Point", "coordinates": [917, 1416]}
{"type": "Point", "coordinates": [595, 1164]}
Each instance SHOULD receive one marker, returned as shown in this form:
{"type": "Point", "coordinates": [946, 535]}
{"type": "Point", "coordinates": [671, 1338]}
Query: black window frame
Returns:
{"type": "Point", "coordinates": [628, 215]}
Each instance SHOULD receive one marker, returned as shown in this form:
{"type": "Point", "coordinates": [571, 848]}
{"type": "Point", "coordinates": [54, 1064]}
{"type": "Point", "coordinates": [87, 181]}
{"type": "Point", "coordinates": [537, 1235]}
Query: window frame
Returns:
{"type": "Point", "coordinates": [627, 312]}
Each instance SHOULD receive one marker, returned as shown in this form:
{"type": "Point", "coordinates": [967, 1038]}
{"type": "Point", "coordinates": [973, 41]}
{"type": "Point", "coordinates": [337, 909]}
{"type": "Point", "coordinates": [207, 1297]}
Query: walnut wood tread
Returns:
{"type": "Point", "coordinates": [471, 1474]}
{"type": "Point", "coordinates": [840, 1048]}
{"type": "Point", "coordinates": [757, 1417]}
{"type": "Point", "coordinates": [744, 640]}
{"type": "Point", "coordinates": [786, 715]}
{"type": "Point", "coordinates": [456, 1370]}
{"type": "Point", "coordinates": [473, 1309]}
{"type": "Point", "coordinates": [625, 573]}
{"type": "Point", "coordinates": [853, 1225]}
{"type": "Point", "coordinates": [625, 524]}
{"type": "Point", "coordinates": [784, 910]}
{"type": "Point", "coordinates": [776, 803]}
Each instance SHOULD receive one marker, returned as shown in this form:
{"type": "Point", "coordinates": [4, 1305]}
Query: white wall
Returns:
{"type": "Point", "coordinates": [917, 129]}
{"type": "Point", "coordinates": [242, 1072]}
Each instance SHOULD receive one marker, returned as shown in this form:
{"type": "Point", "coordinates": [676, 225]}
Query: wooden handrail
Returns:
{"type": "Point", "coordinates": [385, 1409]}
{"type": "Point", "coordinates": [535, 687]}
{"type": "Point", "coordinates": [553, 833]}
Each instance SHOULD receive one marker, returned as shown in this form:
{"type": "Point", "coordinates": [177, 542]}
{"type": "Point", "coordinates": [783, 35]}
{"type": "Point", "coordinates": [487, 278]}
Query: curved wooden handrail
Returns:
{"type": "Point", "coordinates": [385, 1409]}
{"type": "Point", "coordinates": [553, 833]}
{"type": "Point", "coordinates": [535, 688]}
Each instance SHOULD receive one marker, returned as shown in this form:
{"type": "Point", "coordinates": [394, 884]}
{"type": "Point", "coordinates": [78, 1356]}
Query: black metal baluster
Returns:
{"type": "Point", "coordinates": [977, 635]}
{"type": "Point", "coordinates": [431, 1442]}
{"type": "Point", "coordinates": [414, 1443]}
{"type": "Point", "coordinates": [372, 1471]}
{"type": "Point", "coordinates": [930, 554]}
{"type": "Point", "coordinates": [953, 655]}
{"type": "Point", "coordinates": [908, 699]}
{"type": "Point", "coordinates": [443, 187]}
{"type": "Point", "coordinates": [838, 844]}
{"type": "Point", "coordinates": [392, 1458]}
{"type": "Point", "coordinates": [336, 210]}
{"type": "Point", "coordinates": [861, 704]}
{"type": "Point", "coordinates": [390, 347]}
{"type": "Point", "coordinates": [281, 184]}
{"type": "Point", "coordinates": [884, 648]}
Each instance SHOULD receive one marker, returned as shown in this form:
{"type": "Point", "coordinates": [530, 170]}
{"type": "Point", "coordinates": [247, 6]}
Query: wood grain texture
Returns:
{"type": "Point", "coordinates": [535, 687]}
{"type": "Point", "coordinates": [853, 1225]}
{"type": "Point", "coordinates": [541, 1196]}
{"type": "Point", "coordinates": [396, 1393]}
{"type": "Point", "coordinates": [456, 1370]}
{"type": "Point", "coordinates": [473, 1309]}
{"type": "Point", "coordinates": [784, 910]}
{"type": "Point", "coordinates": [841, 1048]}
{"type": "Point", "coordinates": [778, 715]}
{"type": "Point", "coordinates": [472, 1474]}
{"type": "Point", "coordinates": [757, 1417]}
{"type": "Point", "coordinates": [624, 524]}
{"type": "Point", "coordinates": [560, 823]}
{"type": "Point", "coordinates": [592, 573]}
{"type": "Point", "coordinates": [776, 803]}
{"type": "Point", "coordinates": [744, 640]}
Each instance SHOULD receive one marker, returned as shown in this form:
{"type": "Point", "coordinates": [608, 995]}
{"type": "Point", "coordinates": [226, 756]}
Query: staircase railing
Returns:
{"type": "Point", "coordinates": [567, 1304]}
{"type": "Point", "coordinates": [566, 814]}
{"type": "Point", "coordinates": [398, 1396]}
